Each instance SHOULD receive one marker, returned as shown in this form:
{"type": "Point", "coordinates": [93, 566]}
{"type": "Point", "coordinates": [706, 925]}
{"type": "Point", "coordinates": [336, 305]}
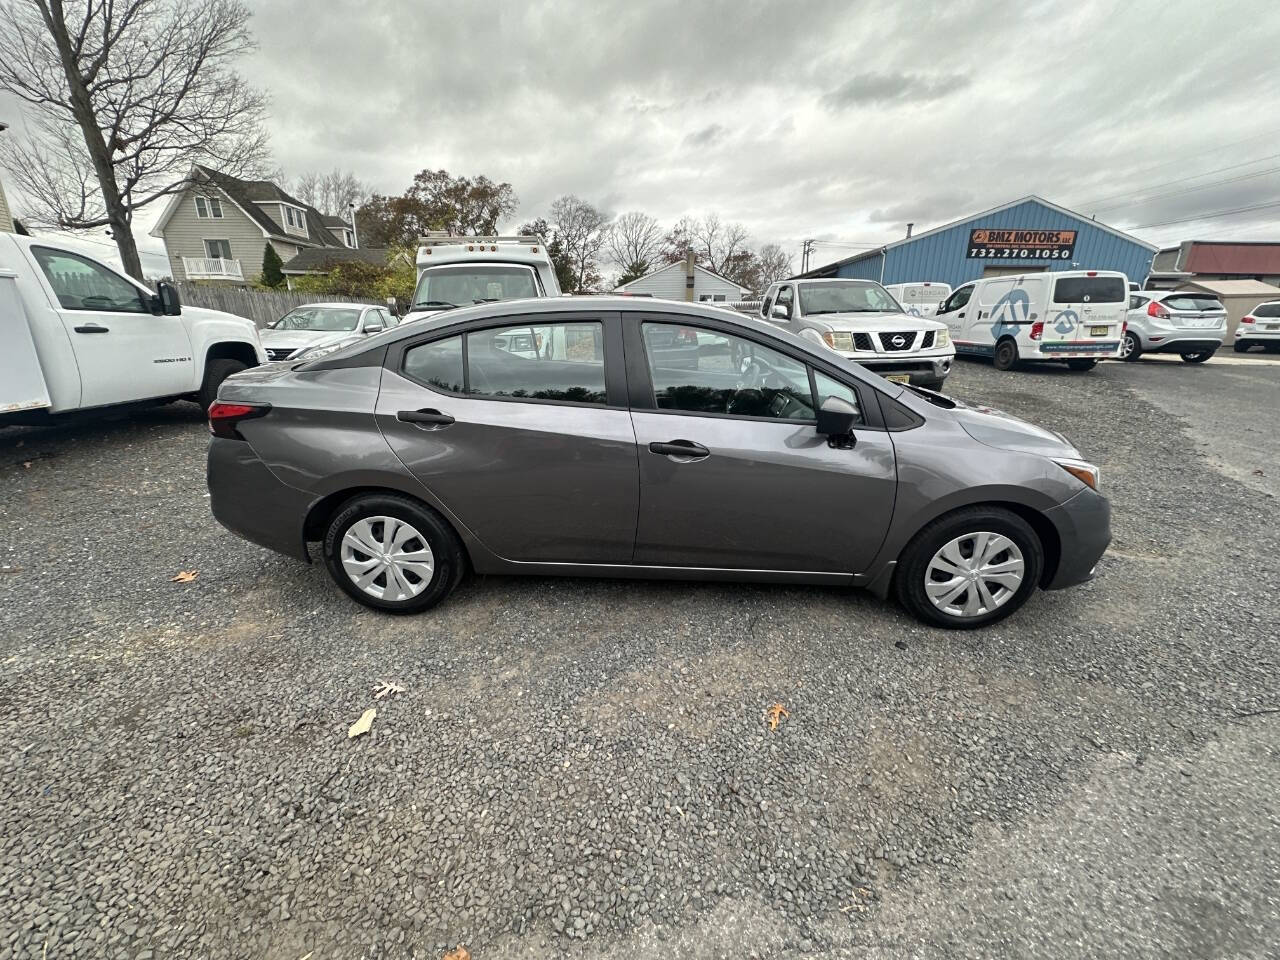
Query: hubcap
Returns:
{"type": "Point", "coordinates": [974, 574]}
{"type": "Point", "coordinates": [387, 558]}
{"type": "Point", "coordinates": [1126, 346]}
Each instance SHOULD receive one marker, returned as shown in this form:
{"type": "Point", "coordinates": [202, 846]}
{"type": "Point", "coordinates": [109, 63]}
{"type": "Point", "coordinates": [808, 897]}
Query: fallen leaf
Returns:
{"type": "Point", "coordinates": [185, 576]}
{"type": "Point", "coordinates": [363, 725]}
{"type": "Point", "coordinates": [460, 953]}
{"type": "Point", "coordinates": [775, 715]}
{"type": "Point", "coordinates": [387, 688]}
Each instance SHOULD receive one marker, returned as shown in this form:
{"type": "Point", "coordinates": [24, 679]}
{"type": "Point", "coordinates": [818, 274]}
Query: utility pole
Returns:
{"type": "Point", "coordinates": [355, 234]}
{"type": "Point", "coordinates": [805, 248]}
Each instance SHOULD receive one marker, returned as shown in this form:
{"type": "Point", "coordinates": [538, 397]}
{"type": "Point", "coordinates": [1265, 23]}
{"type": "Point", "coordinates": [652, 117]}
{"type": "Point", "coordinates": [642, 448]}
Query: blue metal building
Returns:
{"type": "Point", "coordinates": [1024, 236]}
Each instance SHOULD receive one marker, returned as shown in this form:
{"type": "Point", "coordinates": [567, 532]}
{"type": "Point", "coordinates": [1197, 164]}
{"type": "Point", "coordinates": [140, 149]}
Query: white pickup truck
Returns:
{"type": "Point", "coordinates": [457, 271]}
{"type": "Point", "coordinates": [76, 334]}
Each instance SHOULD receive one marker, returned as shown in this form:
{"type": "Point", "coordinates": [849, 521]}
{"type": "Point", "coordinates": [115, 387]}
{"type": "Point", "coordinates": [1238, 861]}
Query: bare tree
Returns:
{"type": "Point", "coordinates": [634, 241]}
{"type": "Point", "coordinates": [582, 230]}
{"type": "Point", "coordinates": [717, 244]}
{"type": "Point", "coordinates": [773, 264]}
{"type": "Point", "coordinates": [307, 188]}
{"type": "Point", "coordinates": [331, 193]}
{"type": "Point", "coordinates": [148, 85]}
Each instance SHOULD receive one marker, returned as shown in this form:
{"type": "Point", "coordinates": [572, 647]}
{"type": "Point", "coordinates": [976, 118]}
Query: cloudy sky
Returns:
{"type": "Point", "coordinates": [835, 120]}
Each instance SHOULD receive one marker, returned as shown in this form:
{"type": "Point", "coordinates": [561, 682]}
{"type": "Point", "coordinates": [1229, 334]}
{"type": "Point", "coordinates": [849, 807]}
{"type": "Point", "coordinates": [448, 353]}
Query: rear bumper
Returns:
{"type": "Point", "coordinates": [248, 499]}
{"type": "Point", "coordinates": [1075, 349]}
{"type": "Point", "coordinates": [1184, 343]}
{"type": "Point", "coordinates": [1083, 524]}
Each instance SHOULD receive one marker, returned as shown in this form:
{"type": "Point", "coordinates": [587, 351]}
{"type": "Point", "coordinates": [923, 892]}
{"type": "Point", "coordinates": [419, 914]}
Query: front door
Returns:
{"type": "Point", "coordinates": [124, 352]}
{"type": "Point", "coordinates": [521, 430]}
{"type": "Point", "coordinates": [732, 471]}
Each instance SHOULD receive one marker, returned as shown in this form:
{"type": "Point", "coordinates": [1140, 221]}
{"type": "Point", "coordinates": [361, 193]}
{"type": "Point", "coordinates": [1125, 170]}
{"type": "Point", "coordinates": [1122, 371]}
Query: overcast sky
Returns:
{"type": "Point", "coordinates": [835, 120]}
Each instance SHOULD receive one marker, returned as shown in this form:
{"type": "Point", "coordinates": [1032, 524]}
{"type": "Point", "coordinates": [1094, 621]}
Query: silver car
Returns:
{"type": "Point", "coordinates": [314, 327]}
{"type": "Point", "coordinates": [614, 437]}
{"type": "Point", "coordinates": [1187, 323]}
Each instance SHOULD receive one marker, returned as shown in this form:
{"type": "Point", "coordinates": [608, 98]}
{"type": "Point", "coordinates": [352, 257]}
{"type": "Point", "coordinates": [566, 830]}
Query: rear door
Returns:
{"type": "Point", "coordinates": [1085, 313]}
{"type": "Point", "coordinates": [732, 472]}
{"type": "Point", "coordinates": [520, 428]}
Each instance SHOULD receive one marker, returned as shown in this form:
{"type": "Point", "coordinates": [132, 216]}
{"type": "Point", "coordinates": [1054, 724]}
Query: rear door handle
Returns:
{"type": "Point", "coordinates": [93, 328]}
{"type": "Point", "coordinates": [684, 449]}
{"type": "Point", "coordinates": [427, 418]}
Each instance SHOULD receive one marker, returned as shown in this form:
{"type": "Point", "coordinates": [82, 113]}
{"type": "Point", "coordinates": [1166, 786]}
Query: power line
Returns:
{"type": "Point", "coordinates": [1209, 216]}
{"type": "Point", "coordinates": [1170, 183]}
{"type": "Point", "coordinates": [1186, 190]}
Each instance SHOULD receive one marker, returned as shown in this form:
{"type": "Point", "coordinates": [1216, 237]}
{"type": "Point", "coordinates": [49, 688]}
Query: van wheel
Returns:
{"type": "Point", "coordinates": [215, 372]}
{"type": "Point", "coordinates": [392, 553]}
{"type": "Point", "coordinates": [969, 568]}
{"type": "Point", "coordinates": [1082, 364]}
{"type": "Point", "coordinates": [1130, 346]}
{"type": "Point", "coordinates": [1006, 356]}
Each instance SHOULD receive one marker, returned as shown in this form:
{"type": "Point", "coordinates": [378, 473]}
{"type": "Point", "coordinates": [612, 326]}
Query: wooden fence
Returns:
{"type": "Point", "coordinates": [260, 306]}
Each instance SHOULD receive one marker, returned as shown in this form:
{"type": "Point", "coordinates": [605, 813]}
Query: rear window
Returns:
{"type": "Point", "coordinates": [1090, 290]}
{"type": "Point", "coordinates": [1193, 303]}
{"type": "Point", "coordinates": [1268, 310]}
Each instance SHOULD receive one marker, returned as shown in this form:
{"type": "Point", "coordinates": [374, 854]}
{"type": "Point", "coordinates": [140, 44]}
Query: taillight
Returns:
{"type": "Point", "coordinates": [1246, 319]}
{"type": "Point", "coordinates": [225, 417]}
{"type": "Point", "coordinates": [1124, 327]}
{"type": "Point", "coordinates": [1037, 330]}
{"type": "Point", "coordinates": [1155, 309]}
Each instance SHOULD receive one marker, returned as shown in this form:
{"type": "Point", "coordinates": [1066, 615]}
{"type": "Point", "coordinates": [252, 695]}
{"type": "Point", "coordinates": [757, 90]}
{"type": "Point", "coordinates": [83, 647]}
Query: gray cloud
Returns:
{"type": "Point", "coordinates": [881, 89]}
{"type": "Point", "coordinates": [705, 137]}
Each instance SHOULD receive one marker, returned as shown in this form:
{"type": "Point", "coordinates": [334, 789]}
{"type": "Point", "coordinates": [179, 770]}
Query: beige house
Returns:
{"type": "Point", "coordinates": [218, 227]}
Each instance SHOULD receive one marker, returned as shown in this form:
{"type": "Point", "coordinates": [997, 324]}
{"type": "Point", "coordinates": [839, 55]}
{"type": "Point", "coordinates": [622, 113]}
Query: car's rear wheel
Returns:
{"type": "Point", "coordinates": [1082, 364]}
{"type": "Point", "coordinates": [1130, 346]}
{"type": "Point", "coordinates": [1199, 357]}
{"type": "Point", "coordinates": [970, 568]}
{"type": "Point", "coordinates": [392, 553]}
{"type": "Point", "coordinates": [1006, 355]}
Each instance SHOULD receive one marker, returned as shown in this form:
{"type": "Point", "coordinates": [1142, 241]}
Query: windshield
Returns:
{"type": "Point", "coordinates": [324, 319]}
{"type": "Point", "coordinates": [854, 296]}
{"type": "Point", "coordinates": [469, 283]}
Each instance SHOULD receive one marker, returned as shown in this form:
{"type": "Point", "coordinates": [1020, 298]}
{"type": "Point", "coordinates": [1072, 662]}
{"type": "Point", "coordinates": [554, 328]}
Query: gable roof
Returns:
{"type": "Point", "coordinates": [680, 264]}
{"type": "Point", "coordinates": [247, 195]}
{"type": "Point", "coordinates": [1029, 198]}
{"type": "Point", "coordinates": [334, 223]}
{"type": "Point", "coordinates": [315, 259]}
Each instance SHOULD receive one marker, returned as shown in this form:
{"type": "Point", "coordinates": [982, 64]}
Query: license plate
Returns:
{"type": "Point", "coordinates": [898, 377]}
{"type": "Point", "coordinates": [1271, 326]}
{"type": "Point", "coordinates": [1098, 331]}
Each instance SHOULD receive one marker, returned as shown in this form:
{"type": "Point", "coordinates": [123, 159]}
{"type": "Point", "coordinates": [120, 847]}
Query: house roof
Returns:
{"type": "Point", "coordinates": [1235, 288]}
{"type": "Point", "coordinates": [679, 265]}
{"type": "Point", "coordinates": [334, 223]}
{"type": "Point", "coordinates": [315, 259]}
{"type": "Point", "coordinates": [247, 195]}
{"type": "Point", "coordinates": [1029, 198]}
{"type": "Point", "coordinates": [1245, 258]}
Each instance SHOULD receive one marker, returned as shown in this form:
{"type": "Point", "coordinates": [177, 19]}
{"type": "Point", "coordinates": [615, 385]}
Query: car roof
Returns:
{"type": "Point", "coordinates": [335, 303]}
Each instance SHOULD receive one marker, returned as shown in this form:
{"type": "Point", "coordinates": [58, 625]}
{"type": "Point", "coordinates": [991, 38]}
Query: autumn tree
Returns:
{"type": "Point", "coordinates": [555, 251]}
{"type": "Point", "coordinates": [124, 97]}
{"type": "Point", "coordinates": [774, 265]}
{"type": "Point", "coordinates": [436, 201]}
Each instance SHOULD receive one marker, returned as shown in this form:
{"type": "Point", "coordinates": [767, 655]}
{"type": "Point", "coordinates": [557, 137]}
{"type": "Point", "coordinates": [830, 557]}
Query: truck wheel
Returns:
{"type": "Point", "coordinates": [214, 373]}
{"type": "Point", "coordinates": [1082, 364]}
{"type": "Point", "coordinates": [1006, 355]}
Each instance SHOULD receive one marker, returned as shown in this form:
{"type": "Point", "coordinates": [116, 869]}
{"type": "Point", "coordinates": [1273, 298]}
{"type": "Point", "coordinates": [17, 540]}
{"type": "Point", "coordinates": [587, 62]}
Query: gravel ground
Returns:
{"type": "Point", "coordinates": [584, 768]}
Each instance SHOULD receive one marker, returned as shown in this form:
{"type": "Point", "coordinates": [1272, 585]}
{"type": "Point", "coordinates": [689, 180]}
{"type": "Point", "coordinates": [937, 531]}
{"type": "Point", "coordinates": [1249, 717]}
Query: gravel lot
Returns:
{"type": "Point", "coordinates": [585, 768]}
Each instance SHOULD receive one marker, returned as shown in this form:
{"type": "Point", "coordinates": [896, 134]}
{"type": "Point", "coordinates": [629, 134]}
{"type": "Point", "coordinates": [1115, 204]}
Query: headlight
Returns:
{"type": "Point", "coordinates": [315, 353]}
{"type": "Point", "coordinates": [1086, 473]}
{"type": "Point", "coordinates": [943, 338]}
{"type": "Point", "coordinates": [839, 340]}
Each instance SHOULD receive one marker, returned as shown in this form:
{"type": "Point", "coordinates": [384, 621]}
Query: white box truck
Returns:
{"type": "Point", "coordinates": [458, 271]}
{"type": "Point", "coordinates": [78, 335]}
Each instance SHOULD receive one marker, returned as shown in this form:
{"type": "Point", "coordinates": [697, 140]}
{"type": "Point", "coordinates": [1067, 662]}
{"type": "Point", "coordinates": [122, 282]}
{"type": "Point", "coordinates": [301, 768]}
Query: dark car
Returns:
{"type": "Point", "coordinates": [644, 439]}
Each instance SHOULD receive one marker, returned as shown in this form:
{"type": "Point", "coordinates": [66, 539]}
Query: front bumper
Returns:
{"type": "Point", "coordinates": [920, 369]}
{"type": "Point", "coordinates": [1083, 525]}
{"type": "Point", "coordinates": [248, 499]}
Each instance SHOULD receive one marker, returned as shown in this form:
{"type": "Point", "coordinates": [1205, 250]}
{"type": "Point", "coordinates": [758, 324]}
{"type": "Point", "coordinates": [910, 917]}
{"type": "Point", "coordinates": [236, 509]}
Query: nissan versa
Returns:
{"type": "Point", "coordinates": [616, 438]}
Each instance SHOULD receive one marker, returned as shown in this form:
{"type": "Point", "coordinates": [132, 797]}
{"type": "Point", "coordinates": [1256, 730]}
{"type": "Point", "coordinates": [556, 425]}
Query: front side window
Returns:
{"type": "Point", "coordinates": [1136, 302]}
{"type": "Point", "coordinates": [957, 299]}
{"type": "Point", "coordinates": [703, 371]}
{"type": "Point", "coordinates": [851, 296]}
{"type": "Point", "coordinates": [324, 319]}
{"type": "Point", "coordinates": [785, 295]}
{"type": "Point", "coordinates": [464, 284]}
{"type": "Point", "coordinates": [827, 387]}
{"type": "Point", "coordinates": [81, 284]}
{"type": "Point", "coordinates": [539, 361]}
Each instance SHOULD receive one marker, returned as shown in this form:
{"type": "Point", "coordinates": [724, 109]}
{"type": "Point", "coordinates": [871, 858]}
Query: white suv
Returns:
{"type": "Point", "coordinates": [1260, 328]}
{"type": "Point", "coordinates": [858, 319]}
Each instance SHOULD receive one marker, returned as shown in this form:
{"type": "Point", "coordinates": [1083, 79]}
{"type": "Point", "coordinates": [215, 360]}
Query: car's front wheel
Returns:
{"type": "Point", "coordinates": [970, 568]}
{"type": "Point", "coordinates": [392, 553]}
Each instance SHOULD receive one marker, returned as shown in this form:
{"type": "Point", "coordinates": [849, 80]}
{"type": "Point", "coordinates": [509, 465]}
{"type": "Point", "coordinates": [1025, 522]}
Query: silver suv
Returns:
{"type": "Point", "coordinates": [860, 320]}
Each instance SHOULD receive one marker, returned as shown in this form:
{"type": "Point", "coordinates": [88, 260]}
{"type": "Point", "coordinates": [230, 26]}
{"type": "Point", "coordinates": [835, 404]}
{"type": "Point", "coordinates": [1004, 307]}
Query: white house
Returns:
{"type": "Point", "coordinates": [672, 282]}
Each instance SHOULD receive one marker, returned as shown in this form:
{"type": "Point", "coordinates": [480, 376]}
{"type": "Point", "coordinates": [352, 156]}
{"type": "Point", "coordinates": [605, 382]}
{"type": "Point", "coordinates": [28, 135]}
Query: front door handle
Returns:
{"type": "Point", "coordinates": [962, 316]}
{"type": "Point", "coordinates": [684, 449]}
{"type": "Point", "coordinates": [93, 328]}
{"type": "Point", "coordinates": [425, 418]}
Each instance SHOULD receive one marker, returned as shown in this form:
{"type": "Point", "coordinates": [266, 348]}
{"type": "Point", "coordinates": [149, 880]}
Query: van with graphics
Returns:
{"type": "Point", "coordinates": [919, 299]}
{"type": "Point", "coordinates": [1076, 317]}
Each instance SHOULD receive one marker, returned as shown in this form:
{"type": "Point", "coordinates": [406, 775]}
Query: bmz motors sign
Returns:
{"type": "Point", "coordinates": [1021, 244]}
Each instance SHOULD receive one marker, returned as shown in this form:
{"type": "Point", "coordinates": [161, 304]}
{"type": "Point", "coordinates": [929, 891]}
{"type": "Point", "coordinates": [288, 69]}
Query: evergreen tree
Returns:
{"type": "Point", "coordinates": [272, 273]}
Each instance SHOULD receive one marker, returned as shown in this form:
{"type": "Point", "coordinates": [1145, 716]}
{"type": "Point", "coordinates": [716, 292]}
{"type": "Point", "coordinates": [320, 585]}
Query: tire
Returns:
{"type": "Point", "coordinates": [1271, 347]}
{"type": "Point", "coordinates": [1006, 355]}
{"type": "Point", "coordinates": [1242, 346]}
{"type": "Point", "coordinates": [916, 567]}
{"type": "Point", "coordinates": [214, 373]}
{"type": "Point", "coordinates": [427, 533]}
{"type": "Point", "coordinates": [1200, 357]}
{"type": "Point", "coordinates": [1082, 364]}
{"type": "Point", "coordinates": [1130, 347]}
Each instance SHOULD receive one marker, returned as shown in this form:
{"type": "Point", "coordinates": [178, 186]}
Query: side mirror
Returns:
{"type": "Point", "coordinates": [836, 418]}
{"type": "Point", "coordinates": [780, 313]}
{"type": "Point", "coordinates": [373, 328]}
{"type": "Point", "coordinates": [167, 299]}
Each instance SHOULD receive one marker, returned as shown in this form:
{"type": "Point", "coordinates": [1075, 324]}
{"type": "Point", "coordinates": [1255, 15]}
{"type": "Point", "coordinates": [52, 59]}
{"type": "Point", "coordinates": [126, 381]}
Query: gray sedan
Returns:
{"type": "Point", "coordinates": [620, 438]}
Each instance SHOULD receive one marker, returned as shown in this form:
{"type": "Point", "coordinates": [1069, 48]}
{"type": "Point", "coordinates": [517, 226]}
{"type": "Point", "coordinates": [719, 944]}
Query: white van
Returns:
{"type": "Point", "coordinates": [1073, 316]}
{"type": "Point", "coordinates": [920, 299]}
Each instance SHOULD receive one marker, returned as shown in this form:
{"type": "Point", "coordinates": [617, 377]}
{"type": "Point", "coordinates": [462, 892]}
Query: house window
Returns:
{"type": "Point", "coordinates": [288, 216]}
{"type": "Point", "coordinates": [217, 249]}
{"type": "Point", "coordinates": [208, 208]}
